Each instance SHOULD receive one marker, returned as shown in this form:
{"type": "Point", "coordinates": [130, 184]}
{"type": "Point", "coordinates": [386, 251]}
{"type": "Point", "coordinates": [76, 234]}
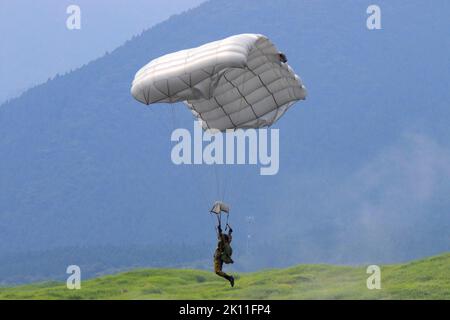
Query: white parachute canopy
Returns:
{"type": "Point", "coordinates": [238, 82]}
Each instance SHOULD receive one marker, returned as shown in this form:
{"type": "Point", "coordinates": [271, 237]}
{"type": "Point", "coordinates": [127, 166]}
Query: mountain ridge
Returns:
{"type": "Point", "coordinates": [363, 164]}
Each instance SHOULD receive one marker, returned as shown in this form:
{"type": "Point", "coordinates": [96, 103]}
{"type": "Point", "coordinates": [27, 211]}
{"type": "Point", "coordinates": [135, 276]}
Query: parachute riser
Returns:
{"type": "Point", "coordinates": [218, 209]}
{"type": "Point", "coordinates": [219, 219]}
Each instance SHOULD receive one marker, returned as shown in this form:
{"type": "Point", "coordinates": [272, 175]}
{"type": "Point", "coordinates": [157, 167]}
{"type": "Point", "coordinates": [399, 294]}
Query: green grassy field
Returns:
{"type": "Point", "coordinates": [423, 279]}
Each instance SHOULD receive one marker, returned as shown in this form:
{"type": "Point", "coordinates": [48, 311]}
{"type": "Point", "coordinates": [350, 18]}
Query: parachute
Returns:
{"type": "Point", "coordinates": [218, 209]}
{"type": "Point", "coordinates": [239, 82]}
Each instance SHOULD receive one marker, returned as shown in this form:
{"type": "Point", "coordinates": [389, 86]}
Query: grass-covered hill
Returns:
{"type": "Point", "coordinates": [423, 279]}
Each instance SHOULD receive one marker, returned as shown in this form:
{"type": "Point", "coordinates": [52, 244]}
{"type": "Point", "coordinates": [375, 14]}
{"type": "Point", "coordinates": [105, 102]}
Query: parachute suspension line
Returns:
{"type": "Point", "coordinates": [216, 174]}
{"type": "Point", "coordinates": [172, 116]}
{"type": "Point", "coordinates": [219, 221]}
{"type": "Point", "coordinates": [219, 208]}
{"type": "Point", "coordinates": [161, 123]}
{"type": "Point", "coordinates": [221, 176]}
{"type": "Point", "coordinates": [172, 108]}
{"type": "Point", "coordinates": [228, 179]}
{"type": "Point", "coordinates": [226, 225]}
{"type": "Point", "coordinates": [213, 222]}
{"type": "Point", "coordinates": [219, 218]}
{"type": "Point", "coordinates": [224, 189]}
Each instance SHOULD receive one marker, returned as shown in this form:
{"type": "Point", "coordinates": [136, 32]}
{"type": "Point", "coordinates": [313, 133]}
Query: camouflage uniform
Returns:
{"type": "Point", "coordinates": [218, 262]}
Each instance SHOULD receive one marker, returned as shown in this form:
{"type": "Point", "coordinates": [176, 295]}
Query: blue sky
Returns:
{"type": "Point", "coordinates": [36, 43]}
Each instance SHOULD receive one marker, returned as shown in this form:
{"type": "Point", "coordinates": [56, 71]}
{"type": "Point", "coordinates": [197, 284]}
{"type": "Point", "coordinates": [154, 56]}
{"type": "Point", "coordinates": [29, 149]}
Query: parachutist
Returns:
{"type": "Point", "coordinates": [223, 251]}
{"type": "Point", "coordinates": [223, 254]}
